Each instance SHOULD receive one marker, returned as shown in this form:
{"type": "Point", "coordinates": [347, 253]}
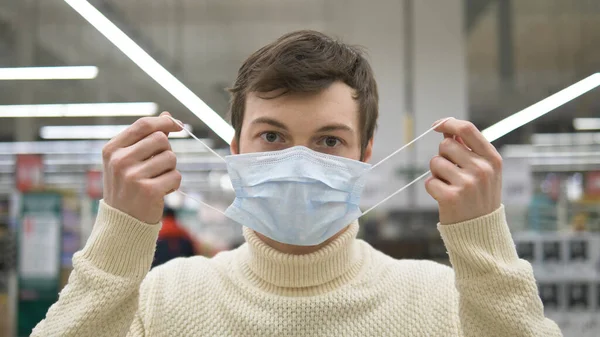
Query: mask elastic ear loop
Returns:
{"type": "Point", "coordinates": [196, 138]}
{"type": "Point", "coordinates": [201, 202]}
{"type": "Point", "coordinates": [394, 153]}
{"type": "Point", "coordinates": [411, 142]}
{"type": "Point", "coordinates": [209, 149]}
{"type": "Point", "coordinates": [398, 191]}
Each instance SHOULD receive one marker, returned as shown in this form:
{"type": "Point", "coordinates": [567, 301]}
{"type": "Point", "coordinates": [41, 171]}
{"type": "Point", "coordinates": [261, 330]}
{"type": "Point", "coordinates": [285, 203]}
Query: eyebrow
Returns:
{"type": "Point", "coordinates": [270, 121]}
{"type": "Point", "coordinates": [335, 127]}
{"type": "Point", "coordinates": [278, 124]}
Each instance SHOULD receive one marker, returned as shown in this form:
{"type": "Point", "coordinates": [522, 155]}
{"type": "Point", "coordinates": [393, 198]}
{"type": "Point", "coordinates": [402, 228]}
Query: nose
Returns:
{"type": "Point", "coordinates": [302, 140]}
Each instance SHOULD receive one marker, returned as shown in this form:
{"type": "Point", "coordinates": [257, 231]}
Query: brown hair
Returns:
{"type": "Point", "coordinates": [307, 61]}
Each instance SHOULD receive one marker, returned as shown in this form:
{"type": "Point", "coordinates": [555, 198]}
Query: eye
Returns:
{"type": "Point", "coordinates": [330, 141]}
{"type": "Point", "coordinates": [271, 137]}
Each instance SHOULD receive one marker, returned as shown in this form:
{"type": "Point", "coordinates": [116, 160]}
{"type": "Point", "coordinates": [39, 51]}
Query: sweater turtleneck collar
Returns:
{"type": "Point", "coordinates": [334, 264]}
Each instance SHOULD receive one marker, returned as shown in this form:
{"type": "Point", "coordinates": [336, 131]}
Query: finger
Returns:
{"type": "Point", "coordinates": [470, 135]}
{"type": "Point", "coordinates": [168, 115]}
{"type": "Point", "coordinates": [457, 153]}
{"type": "Point", "coordinates": [461, 141]}
{"type": "Point", "coordinates": [161, 163]}
{"type": "Point", "coordinates": [437, 188]}
{"type": "Point", "coordinates": [457, 138]}
{"type": "Point", "coordinates": [443, 169]}
{"type": "Point", "coordinates": [141, 129]}
{"type": "Point", "coordinates": [166, 183]}
{"type": "Point", "coordinates": [150, 146]}
{"type": "Point", "coordinates": [440, 121]}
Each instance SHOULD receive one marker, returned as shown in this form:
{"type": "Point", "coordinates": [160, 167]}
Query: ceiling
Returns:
{"type": "Point", "coordinates": [554, 43]}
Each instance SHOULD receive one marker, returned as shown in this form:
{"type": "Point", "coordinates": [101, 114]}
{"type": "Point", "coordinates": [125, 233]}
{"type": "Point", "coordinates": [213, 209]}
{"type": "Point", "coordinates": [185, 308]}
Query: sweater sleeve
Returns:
{"type": "Point", "coordinates": [497, 291]}
{"type": "Point", "coordinates": [101, 297]}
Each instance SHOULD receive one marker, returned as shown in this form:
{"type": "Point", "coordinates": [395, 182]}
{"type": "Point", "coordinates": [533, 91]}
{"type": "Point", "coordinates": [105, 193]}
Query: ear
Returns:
{"type": "Point", "coordinates": [368, 152]}
{"type": "Point", "coordinates": [234, 146]}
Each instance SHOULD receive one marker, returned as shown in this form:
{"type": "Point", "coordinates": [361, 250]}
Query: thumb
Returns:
{"type": "Point", "coordinates": [168, 115]}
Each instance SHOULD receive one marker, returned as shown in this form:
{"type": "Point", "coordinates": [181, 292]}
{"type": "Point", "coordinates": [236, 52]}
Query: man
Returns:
{"type": "Point", "coordinates": [306, 90]}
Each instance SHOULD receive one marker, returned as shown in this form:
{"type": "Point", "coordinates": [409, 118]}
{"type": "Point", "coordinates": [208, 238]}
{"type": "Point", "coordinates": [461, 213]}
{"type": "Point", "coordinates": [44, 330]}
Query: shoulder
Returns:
{"type": "Point", "coordinates": [413, 281]}
{"type": "Point", "coordinates": [422, 267]}
{"type": "Point", "coordinates": [409, 269]}
{"type": "Point", "coordinates": [185, 272]}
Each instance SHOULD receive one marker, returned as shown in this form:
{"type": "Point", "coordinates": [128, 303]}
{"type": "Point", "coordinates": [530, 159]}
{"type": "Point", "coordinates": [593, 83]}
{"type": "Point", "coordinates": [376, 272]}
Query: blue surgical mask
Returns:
{"type": "Point", "coordinates": [295, 196]}
{"type": "Point", "coordinates": [298, 196]}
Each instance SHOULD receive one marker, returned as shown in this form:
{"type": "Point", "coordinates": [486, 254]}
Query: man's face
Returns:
{"type": "Point", "coordinates": [326, 122]}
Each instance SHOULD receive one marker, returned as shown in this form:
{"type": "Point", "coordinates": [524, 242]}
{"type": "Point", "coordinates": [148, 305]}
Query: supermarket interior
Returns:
{"type": "Point", "coordinates": [76, 73]}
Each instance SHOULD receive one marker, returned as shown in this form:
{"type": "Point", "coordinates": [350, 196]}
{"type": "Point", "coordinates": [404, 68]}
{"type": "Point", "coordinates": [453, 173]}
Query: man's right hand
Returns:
{"type": "Point", "coordinates": [140, 168]}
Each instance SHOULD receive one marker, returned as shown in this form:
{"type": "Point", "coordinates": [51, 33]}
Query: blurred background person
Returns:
{"type": "Point", "coordinates": [173, 240]}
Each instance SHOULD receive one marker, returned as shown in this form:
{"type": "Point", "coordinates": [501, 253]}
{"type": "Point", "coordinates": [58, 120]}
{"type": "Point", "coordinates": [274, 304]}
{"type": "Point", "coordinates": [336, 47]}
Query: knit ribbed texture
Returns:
{"type": "Point", "coordinates": [337, 262]}
{"type": "Point", "coordinates": [101, 297]}
{"type": "Point", "coordinates": [478, 247]}
{"type": "Point", "coordinates": [119, 244]}
{"type": "Point", "coordinates": [345, 289]}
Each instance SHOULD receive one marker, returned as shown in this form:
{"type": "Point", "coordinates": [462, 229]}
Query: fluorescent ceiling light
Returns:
{"type": "Point", "coordinates": [80, 110]}
{"type": "Point", "coordinates": [153, 68]}
{"type": "Point", "coordinates": [541, 108]}
{"type": "Point", "coordinates": [586, 123]}
{"type": "Point", "coordinates": [565, 154]}
{"type": "Point", "coordinates": [565, 139]}
{"type": "Point", "coordinates": [84, 147]}
{"type": "Point", "coordinates": [48, 73]}
{"type": "Point", "coordinates": [93, 132]}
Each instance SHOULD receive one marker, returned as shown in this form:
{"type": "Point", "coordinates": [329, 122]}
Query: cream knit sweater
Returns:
{"type": "Point", "coordinates": [345, 289]}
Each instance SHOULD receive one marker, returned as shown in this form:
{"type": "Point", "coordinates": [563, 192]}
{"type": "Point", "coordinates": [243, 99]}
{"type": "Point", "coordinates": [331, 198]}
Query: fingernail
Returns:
{"type": "Point", "coordinates": [436, 122]}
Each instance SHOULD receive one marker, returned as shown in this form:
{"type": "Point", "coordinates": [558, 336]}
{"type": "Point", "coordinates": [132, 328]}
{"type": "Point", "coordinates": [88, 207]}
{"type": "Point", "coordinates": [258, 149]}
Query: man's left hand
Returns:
{"type": "Point", "coordinates": [466, 176]}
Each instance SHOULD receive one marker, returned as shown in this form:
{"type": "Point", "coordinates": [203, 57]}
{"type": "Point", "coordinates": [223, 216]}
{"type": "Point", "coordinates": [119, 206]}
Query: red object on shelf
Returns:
{"type": "Point", "coordinates": [94, 184]}
{"type": "Point", "coordinates": [29, 172]}
{"type": "Point", "coordinates": [592, 184]}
